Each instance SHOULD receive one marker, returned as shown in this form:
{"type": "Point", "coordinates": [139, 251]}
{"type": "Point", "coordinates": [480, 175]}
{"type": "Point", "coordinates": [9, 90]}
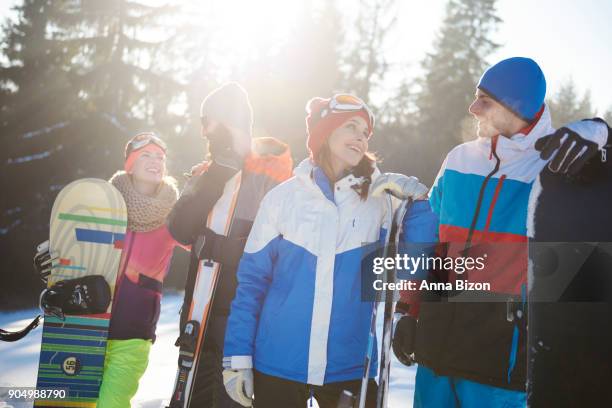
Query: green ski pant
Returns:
{"type": "Point", "coordinates": [125, 362]}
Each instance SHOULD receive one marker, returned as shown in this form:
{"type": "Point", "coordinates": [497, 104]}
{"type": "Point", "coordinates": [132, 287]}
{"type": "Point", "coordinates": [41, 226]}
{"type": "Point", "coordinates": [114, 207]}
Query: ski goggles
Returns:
{"type": "Point", "coordinates": [348, 103]}
{"type": "Point", "coordinates": [144, 139]}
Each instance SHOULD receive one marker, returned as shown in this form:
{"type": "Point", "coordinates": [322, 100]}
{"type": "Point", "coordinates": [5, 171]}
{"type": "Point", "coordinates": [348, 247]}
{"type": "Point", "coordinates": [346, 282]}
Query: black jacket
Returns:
{"type": "Point", "coordinates": [270, 164]}
{"type": "Point", "coordinates": [570, 319]}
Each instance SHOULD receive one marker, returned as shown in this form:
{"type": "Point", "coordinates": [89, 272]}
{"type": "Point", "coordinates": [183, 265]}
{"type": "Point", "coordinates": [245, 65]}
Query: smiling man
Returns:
{"type": "Point", "coordinates": [473, 354]}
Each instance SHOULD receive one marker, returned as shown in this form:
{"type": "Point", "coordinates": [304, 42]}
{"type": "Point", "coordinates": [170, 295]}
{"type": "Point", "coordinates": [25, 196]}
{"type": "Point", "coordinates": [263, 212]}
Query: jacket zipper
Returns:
{"type": "Point", "coordinates": [516, 330]}
{"type": "Point", "coordinates": [500, 183]}
{"type": "Point", "coordinates": [468, 243]}
{"type": "Point", "coordinates": [473, 225]}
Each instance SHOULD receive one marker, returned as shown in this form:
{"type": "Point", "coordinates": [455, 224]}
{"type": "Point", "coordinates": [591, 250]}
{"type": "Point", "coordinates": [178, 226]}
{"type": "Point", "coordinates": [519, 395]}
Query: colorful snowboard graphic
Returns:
{"type": "Point", "coordinates": [87, 229]}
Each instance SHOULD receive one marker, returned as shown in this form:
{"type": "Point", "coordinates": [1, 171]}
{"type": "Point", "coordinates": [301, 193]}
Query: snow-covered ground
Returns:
{"type": "Point", "coordinates": [19, 360]}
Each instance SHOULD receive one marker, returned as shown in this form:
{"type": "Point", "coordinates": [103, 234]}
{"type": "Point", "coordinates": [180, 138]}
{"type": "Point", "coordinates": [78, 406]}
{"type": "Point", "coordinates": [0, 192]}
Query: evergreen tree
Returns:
{"type": "Point", "coordinates": [31, 80]}
{"type": "Point", "coordinates": [451, 73]}
{"type": "Point", "coordinates": [567, 106]}
{"type": "Point", "coordinates": [71, 58]}
{"type": "Point", "coordinates": [80, 77]}
{"type": "Point", "coordinates": [364, 65]}
{"type": "Point", "coordinates": [118, 65]}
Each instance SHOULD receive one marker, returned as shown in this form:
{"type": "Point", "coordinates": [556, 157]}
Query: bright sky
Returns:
{"type": "Point", "coordinates": [567, 38]}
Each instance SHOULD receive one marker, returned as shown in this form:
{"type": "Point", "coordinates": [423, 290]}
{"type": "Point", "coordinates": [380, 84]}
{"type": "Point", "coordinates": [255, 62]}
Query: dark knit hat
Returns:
{"type": "Point", "coordinates": [230, 105]}
{"type": "Point", "coordinates": [321, 122]}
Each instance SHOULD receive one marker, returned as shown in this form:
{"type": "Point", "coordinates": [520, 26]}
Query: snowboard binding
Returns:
{"type": "Point", "coordinates": [43, 261]}
{"type": "Point", "coordinates": [81, 296]}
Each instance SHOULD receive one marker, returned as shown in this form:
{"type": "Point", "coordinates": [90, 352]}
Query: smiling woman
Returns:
{"type": "Point", "coordinates": [145, 162]}
{"type": "Point", "coordinates": [149, 195]}
{"type": "Point", "coordinates": [315, 210]}
{"type": "Point", "coordinates": [339, 129]}
{"type": "Point", "coordinates": [349, 143]}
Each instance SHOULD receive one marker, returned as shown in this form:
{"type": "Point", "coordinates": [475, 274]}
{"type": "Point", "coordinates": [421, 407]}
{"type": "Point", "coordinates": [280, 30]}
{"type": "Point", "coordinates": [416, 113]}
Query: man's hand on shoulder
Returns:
{"type": "Point", "coordinates": [573, 145]}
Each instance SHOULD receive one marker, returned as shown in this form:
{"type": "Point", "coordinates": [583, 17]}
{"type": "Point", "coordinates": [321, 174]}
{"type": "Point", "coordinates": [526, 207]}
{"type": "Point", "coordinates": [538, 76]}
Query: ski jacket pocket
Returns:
{"type": "Point", "coordinates": [149, 283]}
{"type": "Point", "coordinates": [135, 311]}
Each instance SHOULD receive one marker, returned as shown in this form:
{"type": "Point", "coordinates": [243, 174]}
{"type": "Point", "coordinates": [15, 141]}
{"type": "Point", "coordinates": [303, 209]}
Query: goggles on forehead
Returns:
{"type": "Point", "coordinates": [348, 103]}
{"type": "Point", "coordinates": [144, 139]}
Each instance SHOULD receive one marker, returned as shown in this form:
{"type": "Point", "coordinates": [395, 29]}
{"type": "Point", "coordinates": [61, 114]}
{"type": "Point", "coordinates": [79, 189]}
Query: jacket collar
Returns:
{"type": "Point", "coordinates": [520, 141]}
{"type": "Point", "coordinates": [270, 157]}
{"type": "Point", "coordinates": [516, 147]}
{"type": "Point", "coordinates": [314, 177]}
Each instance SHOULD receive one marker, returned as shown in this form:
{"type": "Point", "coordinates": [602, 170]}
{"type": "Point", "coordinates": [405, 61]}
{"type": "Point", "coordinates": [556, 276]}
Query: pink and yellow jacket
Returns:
{"type": "Point", "coordinates": [143, 268]}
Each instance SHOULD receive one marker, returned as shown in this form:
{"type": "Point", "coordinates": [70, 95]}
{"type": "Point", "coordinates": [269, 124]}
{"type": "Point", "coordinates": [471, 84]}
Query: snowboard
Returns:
{"type": "Point", "coordinates": [570, 295]}
{"type": "Point", "coordinates": [219, 220]}
{"type": "Point", "coordinates": [86, 233]}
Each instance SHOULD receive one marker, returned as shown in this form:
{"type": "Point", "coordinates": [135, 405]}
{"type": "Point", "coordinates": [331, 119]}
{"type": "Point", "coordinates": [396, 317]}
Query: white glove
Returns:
{"type": "Point", "coordinates": [398, 185]}
{"type": "Point", "coordinates": [239, 385]}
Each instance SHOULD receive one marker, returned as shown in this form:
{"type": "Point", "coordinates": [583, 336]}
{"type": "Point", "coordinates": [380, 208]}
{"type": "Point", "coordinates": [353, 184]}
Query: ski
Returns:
{"type": "Point", "coordinates": [200, 305]}
{"type": "Point", "coordinates": [393, 224]}
{"type": "Point", "coordinates": [390, 301]}
{"type": "Point", "coordinates": [187, 349]}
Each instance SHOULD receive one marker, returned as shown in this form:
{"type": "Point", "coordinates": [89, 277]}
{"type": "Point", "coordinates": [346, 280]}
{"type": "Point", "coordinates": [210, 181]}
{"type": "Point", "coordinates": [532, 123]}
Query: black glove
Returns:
{"type": "Point", "coordinates": [404, 340]}
{"type": "Point", "coordinates": [219, 248]}
{"type": "Point", "coordinates": [575, 145]}
{"type": "Point", "coordinates": [210, 241]}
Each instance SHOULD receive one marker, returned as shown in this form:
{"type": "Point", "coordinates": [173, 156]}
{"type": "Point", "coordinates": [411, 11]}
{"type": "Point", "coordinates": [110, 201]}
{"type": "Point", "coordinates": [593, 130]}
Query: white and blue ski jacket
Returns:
{"type": "Point", "coordinates": [298, 312]}
{"type": "Point", "coordinates": [481, 195]}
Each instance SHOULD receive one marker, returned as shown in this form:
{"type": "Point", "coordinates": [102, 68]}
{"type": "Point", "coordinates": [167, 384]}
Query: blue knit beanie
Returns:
{"type": "Point", "coordinates": [517, 83]}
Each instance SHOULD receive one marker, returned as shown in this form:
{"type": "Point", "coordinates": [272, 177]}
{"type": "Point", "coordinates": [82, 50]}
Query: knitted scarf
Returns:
{"type": "Point", "coordinates": [146, 213]}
